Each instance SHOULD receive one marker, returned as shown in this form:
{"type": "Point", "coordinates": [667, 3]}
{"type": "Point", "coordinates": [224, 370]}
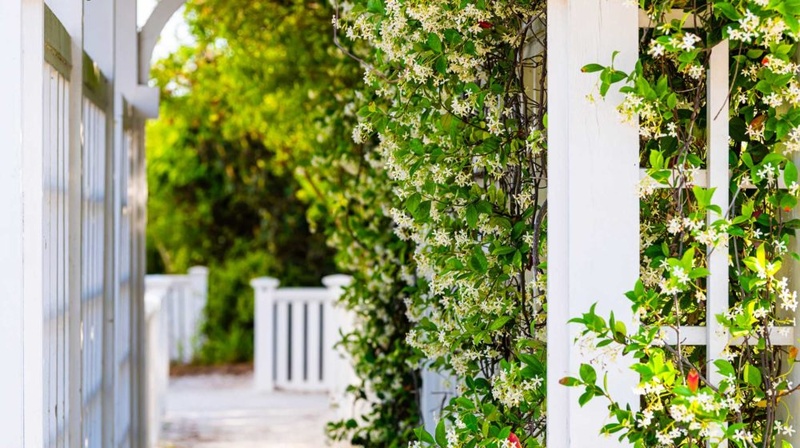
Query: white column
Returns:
{"type": "Point", "coordinates": [21, 192]}
{"type": "Point", "coordinates": [264, 332]}
{"type": "Point", "coordinates": [593, 244]}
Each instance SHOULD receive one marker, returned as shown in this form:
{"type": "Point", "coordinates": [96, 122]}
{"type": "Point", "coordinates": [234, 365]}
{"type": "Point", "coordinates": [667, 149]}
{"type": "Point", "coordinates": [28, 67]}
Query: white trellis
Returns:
{"type": "Point", "coordinates": [591, 212]}
{"type": "Point", "coordinates": [72, 192]}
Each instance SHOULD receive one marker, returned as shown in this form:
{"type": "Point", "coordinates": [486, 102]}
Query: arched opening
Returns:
{"type": "Point", "coordinates": [224, 160]}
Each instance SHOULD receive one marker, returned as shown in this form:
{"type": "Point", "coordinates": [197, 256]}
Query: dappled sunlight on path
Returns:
{"type": "Point", "coordinates": [223, 411]}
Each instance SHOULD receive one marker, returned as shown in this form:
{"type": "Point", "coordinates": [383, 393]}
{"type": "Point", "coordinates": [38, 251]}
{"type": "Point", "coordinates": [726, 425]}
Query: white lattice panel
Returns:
{"type": "Point", "coordinates": [55, 269]}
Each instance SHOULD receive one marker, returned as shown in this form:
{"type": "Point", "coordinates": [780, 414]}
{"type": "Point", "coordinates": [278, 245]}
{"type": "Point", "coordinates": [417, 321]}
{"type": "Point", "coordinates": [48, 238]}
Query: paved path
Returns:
{"type": "Point", "coordinates": [223, 411]}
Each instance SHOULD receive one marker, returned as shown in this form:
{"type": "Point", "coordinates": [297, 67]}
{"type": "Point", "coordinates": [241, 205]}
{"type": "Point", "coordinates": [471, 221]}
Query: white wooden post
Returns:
{"type": "Point", "coordinates": [264, 332]}
{"type": "Point", "coordinates": [157, 363]}
{"type": "Point", "coordinates": [337, 369]}
{"type": "Point", "coordinates": [593, 248]}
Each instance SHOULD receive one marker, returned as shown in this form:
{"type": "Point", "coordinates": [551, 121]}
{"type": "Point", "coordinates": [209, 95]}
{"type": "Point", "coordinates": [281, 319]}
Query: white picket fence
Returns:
{"type": "Point", "coordinates": [296, 330]}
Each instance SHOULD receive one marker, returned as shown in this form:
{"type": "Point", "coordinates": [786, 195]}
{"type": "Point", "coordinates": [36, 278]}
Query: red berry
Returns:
{"type": "Point", "coordinates": [765, 61]}
{"type": "Point", "coordinates": [514, 440]}
{"type": "Point", "coordinates": [484, 25]}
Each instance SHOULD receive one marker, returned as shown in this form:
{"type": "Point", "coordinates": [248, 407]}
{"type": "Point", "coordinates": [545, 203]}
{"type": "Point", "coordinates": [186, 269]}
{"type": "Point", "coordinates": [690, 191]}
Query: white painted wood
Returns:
{"type": "Point", "coordinates": [717, 295]}
{"type": "Point", "coordinates": [296, 347]}
{"type": "Point", "coordinates": [338, 372]}
{"type": "Point", "coordinates": [32, 197]}
{"type": "Point", "coordinates": [98, 33]}
{"type": "Point", "coordinates": [437, 390]}
{"type": "Point", "coordinates": [148, 36]}
{"type": "Point", "coordinates": [315, 346]}
{"type": "Point", "coordinates": [157, 361]}
{"type": "Point", "coordinates": [186, 308]}
{"type": "Point", "coordinates": [701, 180]}
{"type": "Point", "coordinates": [264, 359]}
{"type": "Point", "coordinates": [282, 343]}
{"type": "Point", "coordinates": [124, 305]}
{"type": "Point", "coordinates": [70, 12]}
{"type": "Point", "coordinates": [109, 253]}
{"type": "Point", "coordinates": [63, 362]}
{"type": "Point", "coordinates": [198, 277]}
{"type": "Point", "coordinates": [13, 384]}
{"type": "Point", "coordinates": [95, 125]}
{"type": "Point", "coordinates": [792, 271]}
{"type": "Point", "coordinates": [593, 207]}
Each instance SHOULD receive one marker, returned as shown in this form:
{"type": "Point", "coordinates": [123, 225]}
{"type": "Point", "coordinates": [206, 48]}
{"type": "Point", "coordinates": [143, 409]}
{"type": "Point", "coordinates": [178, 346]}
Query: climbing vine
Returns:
{"type": "Point", "coordinates": [665, 96]}
{"type": "Point", "coordinates": [455, 102]}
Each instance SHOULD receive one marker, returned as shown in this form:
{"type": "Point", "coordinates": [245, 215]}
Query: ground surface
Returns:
{"type": "Point", "coordinates": [223, 411]}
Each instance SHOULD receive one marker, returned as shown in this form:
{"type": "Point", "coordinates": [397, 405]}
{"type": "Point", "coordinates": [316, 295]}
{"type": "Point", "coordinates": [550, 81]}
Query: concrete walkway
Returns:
{"type": "Point", "coordinates": [223, 411]}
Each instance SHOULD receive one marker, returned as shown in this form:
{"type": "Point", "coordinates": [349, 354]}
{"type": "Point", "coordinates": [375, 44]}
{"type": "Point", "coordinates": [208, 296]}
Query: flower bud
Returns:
{"type": "Point", "coordinates": [693, 380]}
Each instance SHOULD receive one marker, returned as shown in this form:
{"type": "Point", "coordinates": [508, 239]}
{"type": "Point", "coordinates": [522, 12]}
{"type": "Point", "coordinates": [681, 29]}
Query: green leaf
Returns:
{"type": "Point", "coordinates": [424, 436]}
{"type": "Point", "coordinates": [727, 10]}
{"type": "Point", "coordinates": [478, 261]}
{"type": "Point", "coordinates": [499, 323]}
{"type": "Point", "coordinates": [441, 433]}
{"type": "Point", "coordinates": [585, 397]}
{"type": "Point", "coordinates": [472, 216]}
{"type": "Point", "coordinates": [570, 381]}
{"type": "Point", "coordinates": [790, 173]}
{"type": "Point", "coordinates": [375, 6]}
{"type": "Point", "coordinates": [591, 68]}
{"type": "Point", "coordinates": [724, 367]}
{"type": "Point", "coordinates": [588, 374]}
{"type": "Point", "coordinates": [412, 203]}
{"type": "Point", "coordinates": [752, 375]}
{"type": "Point", "coordinates": [435, 42]}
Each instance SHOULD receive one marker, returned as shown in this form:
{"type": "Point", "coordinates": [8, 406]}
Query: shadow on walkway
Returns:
{"type": "Point", "coordinates": [223, 411]}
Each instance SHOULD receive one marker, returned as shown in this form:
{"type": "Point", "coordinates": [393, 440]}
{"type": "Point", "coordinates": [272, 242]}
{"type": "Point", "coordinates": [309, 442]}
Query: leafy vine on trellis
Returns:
{"type": "Point", "coordinates": [666, 96]}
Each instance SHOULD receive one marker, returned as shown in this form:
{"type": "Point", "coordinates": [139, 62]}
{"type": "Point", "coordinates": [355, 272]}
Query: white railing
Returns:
{"type": "Point", "coordinates": [296, 330]}
{"type": "Point", "coordinates": [183, 298]}
{"type": "Point", "coordinates": [173, 314]}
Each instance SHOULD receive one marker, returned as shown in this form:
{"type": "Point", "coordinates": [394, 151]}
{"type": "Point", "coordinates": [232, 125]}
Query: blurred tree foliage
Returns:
{"type": "Point", "coordinates": [237, 116]}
